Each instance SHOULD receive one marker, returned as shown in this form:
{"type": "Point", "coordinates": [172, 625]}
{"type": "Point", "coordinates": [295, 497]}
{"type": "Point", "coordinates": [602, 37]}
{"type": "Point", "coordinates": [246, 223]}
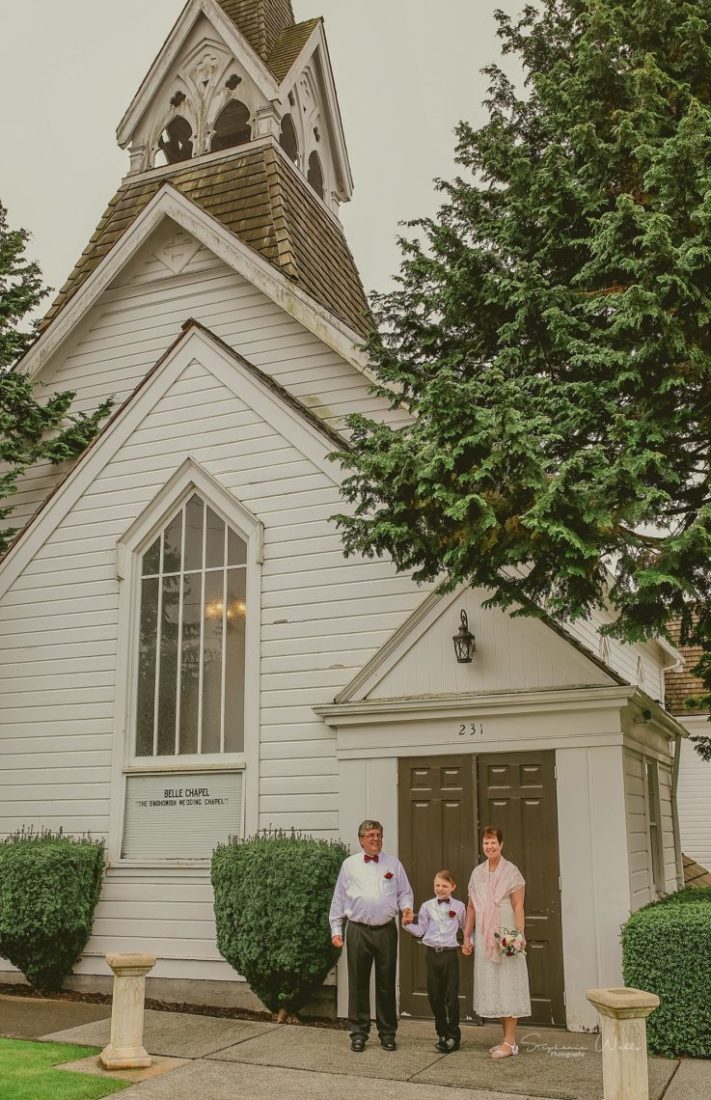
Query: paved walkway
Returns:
{"type": "Point", "coordinates": [229, 1059]}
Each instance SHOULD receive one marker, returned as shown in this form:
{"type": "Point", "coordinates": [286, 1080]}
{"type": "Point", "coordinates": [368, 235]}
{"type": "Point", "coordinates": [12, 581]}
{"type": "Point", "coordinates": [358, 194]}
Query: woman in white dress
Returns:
{"type": "Point", "coordinates": [496, 893]}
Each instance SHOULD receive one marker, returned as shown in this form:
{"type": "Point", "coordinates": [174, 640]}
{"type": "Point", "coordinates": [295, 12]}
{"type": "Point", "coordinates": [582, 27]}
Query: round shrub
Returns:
{"type": "Point", "coordinates": [666, 949]}
{"type": "Point", "coordinates": [272, 897]}
{"type": "Point", "coordinates": [49, 887]}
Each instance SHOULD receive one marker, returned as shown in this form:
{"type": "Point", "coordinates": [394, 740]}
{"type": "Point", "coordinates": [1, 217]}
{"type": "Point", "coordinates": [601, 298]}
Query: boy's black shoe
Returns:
{"type": "Point", "coordinates": [441, 1045]}
{"type": "Point", "coordinates": [452, 1044]}
{"type": "Point", "coordinates": [358, 1044]}
{"type": "Point", "coordinates": [388, 1043]}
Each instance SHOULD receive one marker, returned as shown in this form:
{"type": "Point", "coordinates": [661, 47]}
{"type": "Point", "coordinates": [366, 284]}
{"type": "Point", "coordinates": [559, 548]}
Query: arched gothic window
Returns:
{"type": "Point", "coordinates": [191, 645]}
{"type": "Point", "coordinates": [287, 139]}
{"type": "Point", "coordinates": [231, 126]}
{"type": "Point", "coordinates": [315, 175]}
{"type": "Point", "coordinates": [175, 143]}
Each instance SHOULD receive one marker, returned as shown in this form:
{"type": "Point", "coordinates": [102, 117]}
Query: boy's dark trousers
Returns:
{"type": "Point", "coordinates": [443, 990]}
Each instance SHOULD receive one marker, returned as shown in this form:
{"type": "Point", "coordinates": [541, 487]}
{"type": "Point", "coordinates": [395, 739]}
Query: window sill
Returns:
{"type": "Point", "coordinates": [188, 764]}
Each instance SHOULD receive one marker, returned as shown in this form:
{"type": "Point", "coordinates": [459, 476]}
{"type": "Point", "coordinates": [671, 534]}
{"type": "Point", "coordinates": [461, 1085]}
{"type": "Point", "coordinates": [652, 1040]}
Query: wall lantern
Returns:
{"type": "Point", "coordinates": [464, 644]}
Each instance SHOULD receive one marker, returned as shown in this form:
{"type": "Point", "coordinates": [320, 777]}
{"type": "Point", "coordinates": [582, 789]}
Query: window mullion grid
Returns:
{"type": "Point", "coordinates": [224, 645]}
{"type": "Point", "coordinates": [178, 675]}
{"type": "Point", "coordinates": [203, 576]}
{"type": "Point", "coordinates": [159, 618]}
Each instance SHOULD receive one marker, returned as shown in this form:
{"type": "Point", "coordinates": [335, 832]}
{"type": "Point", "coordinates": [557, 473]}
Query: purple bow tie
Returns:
{"type": "Point", "coordinates": [443, 901]}
{"type": "Point", "coordinates": [371, 859]}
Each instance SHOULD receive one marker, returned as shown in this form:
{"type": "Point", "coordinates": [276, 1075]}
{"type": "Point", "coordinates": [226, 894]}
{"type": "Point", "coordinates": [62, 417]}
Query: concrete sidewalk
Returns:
{"type": "Point", "coordinates": [228, 1059]}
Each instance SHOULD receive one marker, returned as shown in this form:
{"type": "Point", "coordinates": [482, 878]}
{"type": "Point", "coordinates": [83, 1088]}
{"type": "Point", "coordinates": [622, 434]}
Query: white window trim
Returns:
{"type": "Point", "coordinates": [656, 883]}
{"type": "Point", "coordinates": [188, 479]}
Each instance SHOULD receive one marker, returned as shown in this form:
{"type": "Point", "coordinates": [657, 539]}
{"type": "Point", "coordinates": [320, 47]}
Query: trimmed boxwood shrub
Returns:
{"type": "Point", "coordinates": [272, 897]}
{"type": "Point", "coordinates": [49, 887]}
{"type": "Point", "coordinates": [666, 950]}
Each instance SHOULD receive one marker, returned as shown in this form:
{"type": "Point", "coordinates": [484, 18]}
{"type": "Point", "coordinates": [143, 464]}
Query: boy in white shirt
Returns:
{"type": "Point", "coordinates": [438, 923]}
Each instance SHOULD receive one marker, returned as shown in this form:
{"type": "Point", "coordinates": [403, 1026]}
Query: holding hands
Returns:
{"type": "Point", "coordinates": [467, 948]}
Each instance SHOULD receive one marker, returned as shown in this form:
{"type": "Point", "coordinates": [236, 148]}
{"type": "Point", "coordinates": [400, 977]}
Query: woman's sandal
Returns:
{"type": "Point", "coordinates": [499, 1052]}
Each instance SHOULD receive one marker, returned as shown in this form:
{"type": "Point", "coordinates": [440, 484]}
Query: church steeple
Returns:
{"type": "Point", "coordinates": [238, 116]}
{"type": "Point", "coordinates": [236, 73]}
{"type": "Point", "coordinates": [260, 21]}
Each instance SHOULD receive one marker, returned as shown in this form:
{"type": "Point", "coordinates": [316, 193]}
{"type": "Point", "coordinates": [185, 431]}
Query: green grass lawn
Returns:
{"type": "Point", "coordinates": [27, 1073]}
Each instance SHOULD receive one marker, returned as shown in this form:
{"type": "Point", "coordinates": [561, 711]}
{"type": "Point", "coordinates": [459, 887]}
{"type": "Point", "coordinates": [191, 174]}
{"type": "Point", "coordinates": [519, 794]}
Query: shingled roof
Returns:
{"type": "Point", "coordinates": [267, 204]}
{"type": "Point", "coordinates": [288, 46]}
{"type": "Point", "coordinates": [269, 27]}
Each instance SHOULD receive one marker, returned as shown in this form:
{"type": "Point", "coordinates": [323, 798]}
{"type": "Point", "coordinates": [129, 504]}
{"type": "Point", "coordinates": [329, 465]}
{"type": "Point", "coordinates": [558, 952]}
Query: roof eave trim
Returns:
{"type": "Point", "coordinates": [234, 39]}
{"type": "Point", "coordinates": [168, 202]}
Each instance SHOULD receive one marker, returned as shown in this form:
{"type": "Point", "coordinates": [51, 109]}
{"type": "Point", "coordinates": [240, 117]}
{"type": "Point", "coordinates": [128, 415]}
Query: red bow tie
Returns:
{"type": "Point", "coordinates": [443, 901]}
{"type": "Point", "coordinates": [371, 859]}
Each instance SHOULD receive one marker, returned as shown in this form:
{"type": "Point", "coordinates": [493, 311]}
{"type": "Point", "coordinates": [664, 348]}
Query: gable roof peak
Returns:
{"type": "Point", "coordinates": [260, 21]}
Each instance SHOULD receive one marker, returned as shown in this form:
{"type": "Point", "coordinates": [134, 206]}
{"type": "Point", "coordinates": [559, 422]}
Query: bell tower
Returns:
{"type": "Point", "coordinates": [235, 74]}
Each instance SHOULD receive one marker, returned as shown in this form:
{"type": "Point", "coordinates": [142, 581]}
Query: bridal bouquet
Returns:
{"type": "Point", "coordinates": [510, 943]}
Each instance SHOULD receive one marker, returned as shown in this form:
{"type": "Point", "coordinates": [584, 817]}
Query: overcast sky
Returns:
{"type": "Point", "coordinates": [405, 70]}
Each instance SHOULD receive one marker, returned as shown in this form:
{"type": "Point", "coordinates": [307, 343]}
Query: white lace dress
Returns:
{"type": "Point", "coordinates": [500, 988]}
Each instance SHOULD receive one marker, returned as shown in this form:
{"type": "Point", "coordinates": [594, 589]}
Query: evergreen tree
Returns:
{"type": "Point", "coordinates": [31, 429]}
{"type": "Point", "coordinates": [549, 333]}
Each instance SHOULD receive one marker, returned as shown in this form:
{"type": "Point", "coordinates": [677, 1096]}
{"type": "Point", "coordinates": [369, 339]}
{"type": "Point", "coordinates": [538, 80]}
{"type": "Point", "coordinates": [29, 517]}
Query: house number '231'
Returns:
{"type": "Point", "coordinates": [471, 728]}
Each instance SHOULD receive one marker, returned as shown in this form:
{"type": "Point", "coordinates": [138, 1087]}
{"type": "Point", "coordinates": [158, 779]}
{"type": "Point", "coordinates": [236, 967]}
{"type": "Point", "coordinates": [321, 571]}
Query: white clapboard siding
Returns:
{"type": "Point", "coordinates": [511, 654]}
{"type": "Point", "coordinates": [135, 320]}
{"type": "Point", "coordinates": [694, 801]}
{"type": "Point", "coordinates": [637, 831]}
{"type": "Point", "coordinates": [640, 664]}
{"type": "Point", "coordinates": [59, 683]}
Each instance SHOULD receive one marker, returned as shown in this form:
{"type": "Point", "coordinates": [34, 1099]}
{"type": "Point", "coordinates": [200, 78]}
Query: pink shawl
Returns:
{"type": "Point", "coordinates": [487, 891]}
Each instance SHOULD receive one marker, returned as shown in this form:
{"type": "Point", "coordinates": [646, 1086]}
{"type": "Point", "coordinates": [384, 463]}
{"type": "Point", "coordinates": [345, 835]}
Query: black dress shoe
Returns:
{"type": "Point", "coordinates": [452, 1045]}
{"type": "Point", "coordinates": [388, 1044]}
{"type": "Point", "coordinates": [441, 1046]}
{"type": "Point", "coordinates": [358, 1044]}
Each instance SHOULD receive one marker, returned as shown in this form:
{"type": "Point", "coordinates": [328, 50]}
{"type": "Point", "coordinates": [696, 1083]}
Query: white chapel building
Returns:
{"type": "Point", "coordinates": [186, 654]}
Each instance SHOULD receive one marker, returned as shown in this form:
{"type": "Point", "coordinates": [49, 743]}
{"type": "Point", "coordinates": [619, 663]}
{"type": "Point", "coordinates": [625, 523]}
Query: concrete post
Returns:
{"type": "Point", "coordinates": [624, 1040]}
{"type": "Point", "coordinates": [125, 1049]}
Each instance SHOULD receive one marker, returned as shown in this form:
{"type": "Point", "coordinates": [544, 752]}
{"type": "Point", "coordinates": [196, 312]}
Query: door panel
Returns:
{"type": "Point", "coordinates": [437, 830]}
{"type": "Point", "coordinates": [444, 802]}
{"type": "Point", "coordinates": [517, 793]}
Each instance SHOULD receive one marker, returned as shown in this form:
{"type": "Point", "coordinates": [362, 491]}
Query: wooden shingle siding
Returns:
{"type": "Point", "coordinates": [269, 206]}
{"type": "Point", "coordinates": [683, 685]}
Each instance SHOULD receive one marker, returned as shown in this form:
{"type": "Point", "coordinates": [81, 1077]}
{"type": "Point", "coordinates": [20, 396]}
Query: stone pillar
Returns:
{"type": "Point", "coordinates": [125, 1048]}
{"type": "Point", "coordinates": [624, 1040]}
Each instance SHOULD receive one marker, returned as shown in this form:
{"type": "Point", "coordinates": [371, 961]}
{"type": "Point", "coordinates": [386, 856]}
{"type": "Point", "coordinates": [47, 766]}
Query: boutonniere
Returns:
{"type": "Point", "coordinates": [452, 913]}
{"type": "Point", "coordinates": [388, 875]}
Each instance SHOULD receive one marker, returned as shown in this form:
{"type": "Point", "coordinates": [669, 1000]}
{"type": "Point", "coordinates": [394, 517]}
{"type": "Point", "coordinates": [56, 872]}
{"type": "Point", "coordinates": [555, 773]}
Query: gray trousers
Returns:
{"type": "Point", "coordinates": [367, 945]}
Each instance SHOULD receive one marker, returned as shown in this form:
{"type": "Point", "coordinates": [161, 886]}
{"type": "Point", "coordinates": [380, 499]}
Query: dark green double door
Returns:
{"type": "Point", "coordinates": [444, 801]}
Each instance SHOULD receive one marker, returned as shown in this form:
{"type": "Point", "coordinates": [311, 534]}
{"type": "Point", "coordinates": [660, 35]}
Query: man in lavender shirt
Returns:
{"type": "Point", "coordinates": [372, 888]}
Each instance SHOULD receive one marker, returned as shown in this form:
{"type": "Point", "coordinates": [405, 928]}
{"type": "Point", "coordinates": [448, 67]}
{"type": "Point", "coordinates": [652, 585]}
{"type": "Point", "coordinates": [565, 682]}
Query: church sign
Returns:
{"type": "Point", "coordinates": [181, 815]}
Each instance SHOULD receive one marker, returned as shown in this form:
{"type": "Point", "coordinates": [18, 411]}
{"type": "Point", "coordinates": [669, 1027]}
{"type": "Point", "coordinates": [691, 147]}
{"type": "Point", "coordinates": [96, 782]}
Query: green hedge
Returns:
{"type": "Point", "coordinates": [272, 896]}
{"type": "Point", "coordinates": [666, 950]}
{"type": "Point", "coordinates": [49, 887]}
